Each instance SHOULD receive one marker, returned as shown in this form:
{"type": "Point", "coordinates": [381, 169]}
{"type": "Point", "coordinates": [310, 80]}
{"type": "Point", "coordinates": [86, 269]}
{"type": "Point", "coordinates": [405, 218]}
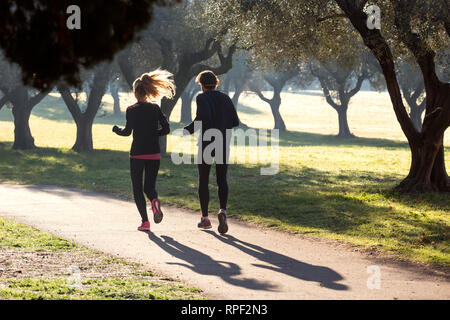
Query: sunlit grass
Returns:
{"type": "Point", "coordinates": [325, 187]}
{"type": "Point", "coordinates": [94, 289]}
{"type": "Point", "coordinates": [26, 248]}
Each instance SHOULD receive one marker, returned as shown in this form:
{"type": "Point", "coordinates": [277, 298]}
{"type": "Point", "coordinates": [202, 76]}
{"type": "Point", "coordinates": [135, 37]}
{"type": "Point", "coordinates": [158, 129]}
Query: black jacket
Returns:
{"type": "Point", "coordinates": [215, 110]}
{"type": "Point", "coordinates": [144, 120]}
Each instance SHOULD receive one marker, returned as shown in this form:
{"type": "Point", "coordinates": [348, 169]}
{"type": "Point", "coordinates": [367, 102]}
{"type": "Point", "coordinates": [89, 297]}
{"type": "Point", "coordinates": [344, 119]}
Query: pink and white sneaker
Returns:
{"type": "Point", "coordinates": [145, 226]}
{"type": "Point", "coordinates": [157, 213]}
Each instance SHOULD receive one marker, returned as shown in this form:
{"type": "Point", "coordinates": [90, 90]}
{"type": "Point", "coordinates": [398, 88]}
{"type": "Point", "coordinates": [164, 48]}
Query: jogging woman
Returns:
{"type": "Point", "coordinates": [147, 123]}
{"type": "Point", "coordinates": [215, 110]}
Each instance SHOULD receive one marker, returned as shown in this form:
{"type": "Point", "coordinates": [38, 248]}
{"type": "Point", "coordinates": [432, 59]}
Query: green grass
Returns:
{"type": "Point", "coordinates": [102, 277]}
{"type": "Point", "coordinates": [92, 289]}
{"type": "Point", "coordinates": [326, 187]}
{"type": "Point", "coordinates": [14, 235]}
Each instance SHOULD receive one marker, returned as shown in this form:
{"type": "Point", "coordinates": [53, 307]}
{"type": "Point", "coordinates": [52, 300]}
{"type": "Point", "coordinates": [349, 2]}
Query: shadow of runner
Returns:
{"type": "Point", "coordinates": [325, 276]}
{"type": "Point", "coordinates": [205, 265]}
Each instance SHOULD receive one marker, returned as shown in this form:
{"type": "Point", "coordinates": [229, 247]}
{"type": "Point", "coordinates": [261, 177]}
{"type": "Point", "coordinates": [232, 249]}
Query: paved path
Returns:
{"type": "Point", "coordinates": [249, 263]}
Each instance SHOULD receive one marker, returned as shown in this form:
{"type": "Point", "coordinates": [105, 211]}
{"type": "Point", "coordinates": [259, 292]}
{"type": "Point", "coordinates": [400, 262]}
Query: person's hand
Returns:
{"type": "Point", "coordinates": [115, 129]}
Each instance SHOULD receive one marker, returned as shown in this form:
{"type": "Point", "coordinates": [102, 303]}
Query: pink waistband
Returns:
{"type": "Point", "coordinates": [155, 156]}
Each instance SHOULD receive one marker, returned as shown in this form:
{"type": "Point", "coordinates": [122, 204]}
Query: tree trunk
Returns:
{"type": "Point", "coordinates": [344, 129]}
{"type": "Point", "coordinates": [186, 107]}
{"type": "Point", "coordinates": [439, 176]}
{"type": "Point", "coordinates": [279, 122]}
{"type": "Point", "coordinates": [236, 95]}
{"type": "Point", "coordinates": [84, 140]}
{"type": "Point", "coordinates": [116, 98]}
{"type": "Point", "coordinates": [427, 171]}
{"type": "Point", "coordinates": [226, 84]}
{"type": "Point", "coordinates": [275, 104]}
{"type": "Point", "coordinates": [181, 82]}
{"type": "Point", "coordinates": [21, 111]}
{"type": "Point", "coordinates": [126, 67]}
{"type": "Point", "coordinates": [84, 120]}
{"type": "Point", "coordinates": [23, 139]}
{"type": "Point", "coordinates": [3, 101]}
{"type": "Point", "coordinates": [163, 145]}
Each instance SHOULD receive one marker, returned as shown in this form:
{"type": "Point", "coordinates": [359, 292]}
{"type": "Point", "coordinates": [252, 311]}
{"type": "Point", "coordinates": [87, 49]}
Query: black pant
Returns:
{"type": "Point", "coordinates": [203, 181]}
{"type": "Point", "coordinates": [137, 168]}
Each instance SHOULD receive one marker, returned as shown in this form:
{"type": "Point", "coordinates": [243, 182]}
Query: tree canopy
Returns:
{"type": "Point", "coordinates": [34, 34]}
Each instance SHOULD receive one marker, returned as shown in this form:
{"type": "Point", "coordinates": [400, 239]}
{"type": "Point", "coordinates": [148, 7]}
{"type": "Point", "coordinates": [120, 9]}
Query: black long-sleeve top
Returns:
{"type": "Point", "coordinates": [215, 110]}
{"type": "Point", "coordinates": [147, 123]}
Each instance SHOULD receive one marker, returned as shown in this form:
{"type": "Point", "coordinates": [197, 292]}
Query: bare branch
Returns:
{"type": "Point", "coordinates": [37, 98]}
{"type": "Point", "coordinates": [3, 101]}
{"type": "Point", "coordinates": [70, 102]}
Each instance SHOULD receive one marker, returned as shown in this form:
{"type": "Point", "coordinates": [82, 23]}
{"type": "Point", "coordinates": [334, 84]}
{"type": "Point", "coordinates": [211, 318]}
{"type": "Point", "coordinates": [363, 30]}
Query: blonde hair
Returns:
{"type": "Point", "coordinates": [155, 85]}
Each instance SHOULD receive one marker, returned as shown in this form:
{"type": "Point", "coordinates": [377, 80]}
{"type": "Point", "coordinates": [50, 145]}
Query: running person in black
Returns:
{"type": "Point", "coordinates": [215, 110]}
{"type": "Point", "coordinates": [147, 123]}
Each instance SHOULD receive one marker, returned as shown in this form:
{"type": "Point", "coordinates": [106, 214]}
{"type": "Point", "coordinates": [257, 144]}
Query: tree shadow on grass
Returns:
{"type": "Point", "coordinates": [325, 276]}
{"type": "Point", "coordinates": [298, 139]}
{"type": "Point", "coordinates": [203, 264]}
{"type": "Point", "coordinates": [318, 200]}
{"type": "Point", "coordinates": [245, 108]}
{"type": "Point", "coordinates": [304, 197]}
{"type": "Point", "coordinates": [317, 93]}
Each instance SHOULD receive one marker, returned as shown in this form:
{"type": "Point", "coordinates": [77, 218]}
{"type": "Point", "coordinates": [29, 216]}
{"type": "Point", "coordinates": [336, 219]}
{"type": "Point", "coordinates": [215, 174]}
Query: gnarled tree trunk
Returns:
{"type": "Point", "coordinates": [85, 120]}
{"type": "Point", "coordinates": [186, 101]}
{"type": "Point", "coordinates": [115, 95]}
{"type": "Point", "coordinates": [427, 171]}
{"type": "Point", "coordinates": [22, 134]}
{"type": "Point", "coordinates": [84, 141]}
{"type": "Point", "coordinates": [344, 129]}
{"type": "Point", "coordinates": [277, 81]}
{"type": "Point", "coordinates": [237, 94]}
{"type": "Point", "coordinates": [186, 108]}
{"type": "Point", "coordinates": [336, 80]}
{"type": "Point", "coordinates": [23, 104]}
{"type": "Point", "coordinates": [275, 104]}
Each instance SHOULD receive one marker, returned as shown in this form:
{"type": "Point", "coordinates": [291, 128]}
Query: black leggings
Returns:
{"type": "Point", "coordinates": [203, 181]}
{"type": "Point", "coordinates": [137, 168]}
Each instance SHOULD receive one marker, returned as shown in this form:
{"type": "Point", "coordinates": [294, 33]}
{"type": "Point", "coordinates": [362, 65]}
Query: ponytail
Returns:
{"type": "Point", "coordinates": [155, 85]}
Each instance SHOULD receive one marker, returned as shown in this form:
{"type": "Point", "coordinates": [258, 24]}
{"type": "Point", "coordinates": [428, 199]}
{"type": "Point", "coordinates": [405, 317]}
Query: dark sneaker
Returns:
{"type": "Point", "coordinates": [204, 224]}
{"type": "Point", "coordinates": [223, 226]}
{"type": "Point", "coordinates": [157, 213]}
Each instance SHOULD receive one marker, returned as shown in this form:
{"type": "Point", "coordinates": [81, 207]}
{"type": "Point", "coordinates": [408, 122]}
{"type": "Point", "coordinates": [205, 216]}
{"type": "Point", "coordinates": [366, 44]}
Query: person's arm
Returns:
{"type": "Point", "coordinates": [165, 126]}
{"type": "Point", "coordinates": [203, 114]}
{"type": "Point", "coordinates": [126, 131]}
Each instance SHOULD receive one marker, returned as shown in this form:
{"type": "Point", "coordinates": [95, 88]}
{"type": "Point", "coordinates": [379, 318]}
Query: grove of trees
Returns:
{"type": "Point", "coordinates": [257, 45]}
{"type": "Point", "coordinates": [418, 29]}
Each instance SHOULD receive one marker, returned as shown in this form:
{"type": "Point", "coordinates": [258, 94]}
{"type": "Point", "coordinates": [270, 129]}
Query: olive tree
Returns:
{"type": "Point", "coordinates": [419, 28]}
{"type": "Point", "coordinates": [23, 99]}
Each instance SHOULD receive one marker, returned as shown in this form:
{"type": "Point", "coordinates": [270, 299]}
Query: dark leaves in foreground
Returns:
{"type": "Point", "coordinates": [34, 34]}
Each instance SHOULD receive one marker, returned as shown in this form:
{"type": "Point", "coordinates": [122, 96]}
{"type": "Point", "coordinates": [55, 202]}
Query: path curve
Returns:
{"type": "Point", "coordinates": [248, 263]}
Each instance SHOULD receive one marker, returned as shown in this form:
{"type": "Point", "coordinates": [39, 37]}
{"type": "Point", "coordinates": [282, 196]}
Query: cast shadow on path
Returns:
{"type": "Point", "coordinates": [205, 265]}
{"type": "Point", "coordinates": [325, 276]}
